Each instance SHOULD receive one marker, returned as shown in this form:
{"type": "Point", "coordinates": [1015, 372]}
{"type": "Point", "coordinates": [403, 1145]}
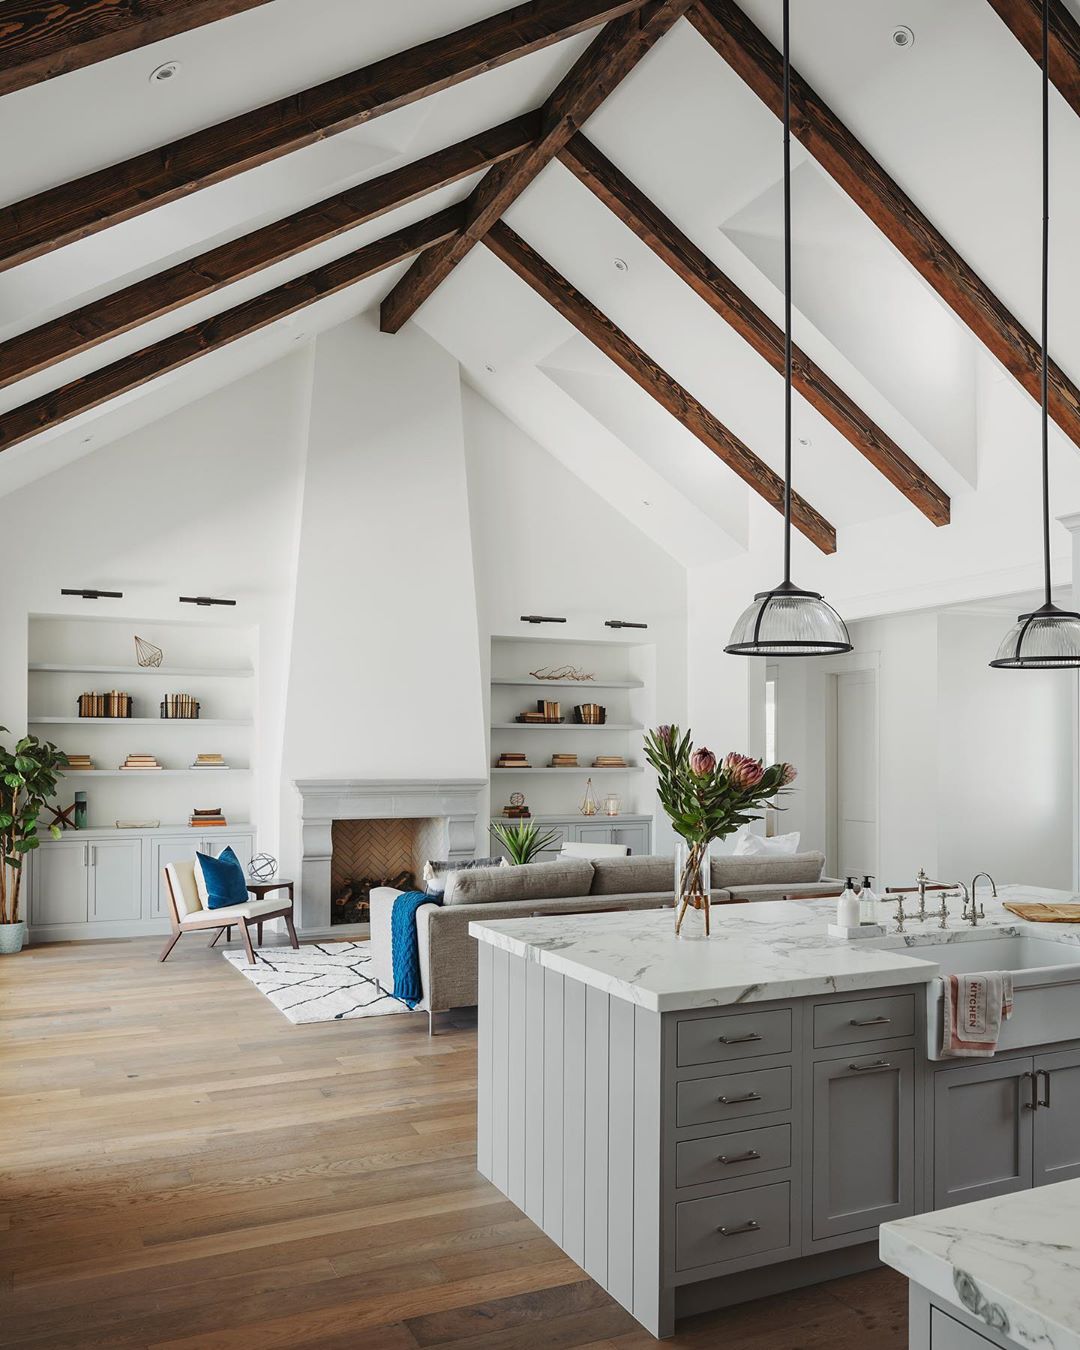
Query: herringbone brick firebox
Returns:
{"type": "Point", "coordinates": [367, 853]}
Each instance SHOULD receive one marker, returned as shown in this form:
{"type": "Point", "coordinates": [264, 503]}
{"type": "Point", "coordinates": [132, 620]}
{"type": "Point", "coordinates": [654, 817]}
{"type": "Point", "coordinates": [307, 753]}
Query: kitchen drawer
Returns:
{"type": "Point", "coordinates": [731, 1096]}
{"type": "Point", "coordinates": [729, 1227]}
{"type": "Point", "coordinates": [709, 1040]}
{"type": "Point", "coordinates": [723, 1157]}
{"type": "Point", "coordinates": [846, 1022]}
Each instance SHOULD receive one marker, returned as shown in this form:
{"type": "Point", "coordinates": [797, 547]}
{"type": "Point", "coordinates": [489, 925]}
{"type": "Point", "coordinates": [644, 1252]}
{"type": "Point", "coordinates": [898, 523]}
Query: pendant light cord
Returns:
{"type": "Point", "coordinates": [1045, 291]}
{"type": "Point", "coordinates": [787, 293]}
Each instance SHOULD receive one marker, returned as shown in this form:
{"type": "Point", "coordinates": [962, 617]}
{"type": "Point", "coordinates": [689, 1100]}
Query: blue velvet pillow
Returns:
{"type": "Point", "coordinates": [224, 879]}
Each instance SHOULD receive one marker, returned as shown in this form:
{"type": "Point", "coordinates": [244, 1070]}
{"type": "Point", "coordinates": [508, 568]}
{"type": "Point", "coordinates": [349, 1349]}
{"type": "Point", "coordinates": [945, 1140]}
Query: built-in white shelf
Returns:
{"type": "Point", "coordinates": [91, 832]}
{"type": "Point", "coordinates": [141, 721]}
{"type": "Point", "coordinates": [178, 672]}
{"type": "Point", "coordinates": [567, 726]}
{"type": "Point", "coordinates": [583, 685]}
{"type": "Point", "coordinates": [579, 769]}
{"type": "Point", "coordinates": [147, 773]}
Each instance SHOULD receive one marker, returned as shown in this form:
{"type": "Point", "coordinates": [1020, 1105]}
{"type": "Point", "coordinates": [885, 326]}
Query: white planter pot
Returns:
{"type": "Point", "coordinates": [12, 937]}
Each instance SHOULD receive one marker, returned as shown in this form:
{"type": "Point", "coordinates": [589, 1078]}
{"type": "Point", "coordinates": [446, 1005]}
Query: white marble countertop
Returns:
{"type": "Point", "coordinates": [1012, 1262]}
{"type": "Point", "coordinates": [759, 951]}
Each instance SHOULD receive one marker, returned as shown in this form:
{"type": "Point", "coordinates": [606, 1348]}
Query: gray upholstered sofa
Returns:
{"type": "Point", "coordinates": [448, 953]}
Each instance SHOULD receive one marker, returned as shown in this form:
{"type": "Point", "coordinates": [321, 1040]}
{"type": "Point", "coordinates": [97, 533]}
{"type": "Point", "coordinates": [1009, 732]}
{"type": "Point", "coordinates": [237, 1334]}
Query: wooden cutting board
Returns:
{"type": "Point", "coordinates": [1043, 913]}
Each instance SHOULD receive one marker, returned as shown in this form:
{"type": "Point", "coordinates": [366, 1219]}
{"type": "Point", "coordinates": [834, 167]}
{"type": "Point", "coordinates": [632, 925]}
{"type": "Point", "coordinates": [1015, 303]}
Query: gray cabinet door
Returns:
{"type": "Point", "coordinates": [638, 838]}
{"type": "Point", "coordinates": [164, 852]}
{"type": "Point", "coordinates": [1056, 1128]}
{"type": "Point", "coordinates": [982, 1131]}
{"type": "Point", "coordinates": [116, 880]}
{"type": "Point", "coordinates": [58, 884]}
{"type": "Point", "coordinates": [863, 1141]}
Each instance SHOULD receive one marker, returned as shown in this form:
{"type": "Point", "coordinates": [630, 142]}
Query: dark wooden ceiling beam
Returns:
{"type": "Point", "coordinates": [74, 210]}
{"type": "Point", "coordinates": [750, 54]}
{"type": "Point", "coordinates": [114, 314]}
{"type": "Point", "coordinates": [40, 39]}
{"type": "Point", "coordinates": [643, 370]}
{"type": "Point", "coordinates": [1024, 18]}
{"type": "Point", "coordinates": [212, 334]}
{"type": "Point", "coordinates": [608, 59]}
{"type": "Point", "coordinates": [708, 281]}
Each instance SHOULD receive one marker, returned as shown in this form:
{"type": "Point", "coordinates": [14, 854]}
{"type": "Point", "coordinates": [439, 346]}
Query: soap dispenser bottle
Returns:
{"type": "Point", "coordinates": [869, 905]}
{"type": "Point", "coordinates": [847, 907]}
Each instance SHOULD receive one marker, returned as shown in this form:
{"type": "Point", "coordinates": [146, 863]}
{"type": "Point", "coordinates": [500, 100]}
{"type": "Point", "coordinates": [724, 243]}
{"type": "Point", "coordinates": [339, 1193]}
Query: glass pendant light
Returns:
{"type": "Point", "coordinates": [1048, 638]}
{"type": "Point", "coordinates": [788, 621]}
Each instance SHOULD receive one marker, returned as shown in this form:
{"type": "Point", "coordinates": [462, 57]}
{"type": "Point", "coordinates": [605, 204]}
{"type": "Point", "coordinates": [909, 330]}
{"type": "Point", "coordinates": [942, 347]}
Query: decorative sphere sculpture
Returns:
{"type": "Point", "coordinates": [263, 867]}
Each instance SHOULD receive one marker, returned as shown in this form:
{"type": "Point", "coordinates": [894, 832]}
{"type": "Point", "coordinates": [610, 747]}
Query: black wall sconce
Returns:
{"type": "Point", "coordinates": [623, 623]}
{"type": "Point", "coordinates": [89, 594]}
{"type": "Point", "coordinates": [540, 618]}
{"type": "Point", "coordinates": [204, 600]}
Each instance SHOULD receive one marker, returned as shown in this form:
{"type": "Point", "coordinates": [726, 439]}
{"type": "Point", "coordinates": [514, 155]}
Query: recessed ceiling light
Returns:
{"type": "Point", "coordinates": [902, 36]}
{"type": "Point", "coordinates": [489, 368]}
{"type": "Point", "coordinates": [621, 265]}
{"type": "Point", "coordinates": [168, 71]}
{"type": "Point", "coordinates": [87, 439]}
{"type": "Point", "coordinates": [805, 440]}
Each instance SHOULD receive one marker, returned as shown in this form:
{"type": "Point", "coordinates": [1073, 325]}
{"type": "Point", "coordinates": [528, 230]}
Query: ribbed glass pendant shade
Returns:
{"type": "Point", "coordinates": [1046, 639]}
{"type": "Point", "coordinates": [789, 622]}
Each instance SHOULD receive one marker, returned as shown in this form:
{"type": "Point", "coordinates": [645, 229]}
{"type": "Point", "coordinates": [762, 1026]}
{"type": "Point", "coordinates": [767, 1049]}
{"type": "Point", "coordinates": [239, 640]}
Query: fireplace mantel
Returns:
{"type": "Point", "coordinates": [454, 802]}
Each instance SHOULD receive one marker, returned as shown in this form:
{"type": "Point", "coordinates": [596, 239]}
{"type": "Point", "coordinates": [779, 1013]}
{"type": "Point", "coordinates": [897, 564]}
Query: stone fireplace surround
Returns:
{"type": "Point", "coordinates": [453, 803]}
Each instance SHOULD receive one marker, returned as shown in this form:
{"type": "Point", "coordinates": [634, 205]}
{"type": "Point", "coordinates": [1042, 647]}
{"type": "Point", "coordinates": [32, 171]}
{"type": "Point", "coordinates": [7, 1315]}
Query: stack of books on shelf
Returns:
{"type": "Point", "coordinates": [564, 761]}
{"type": "Point", "coordinates": [79, 761]}
{"type": "Point", "coordinates": [207, 815]}
{"type": "Point", "coordinates": [512, 759]}
{"type": "Point", "coordinates": [110, 704]}
{"type": "Point", "coordinates": [521, 812]}
{"type": "Point", "coordinates": [140, 762]}
{"type": "Point", "coordinates": [547, 710]}
{"type": "Point", "coordinates": [212, 761]}
{"type": "Point", "coordinates": [590, 714]}
{"type": "Point", "coordinates": [179, 705]}
{"type": "Point", "coordinates": [609, 762]}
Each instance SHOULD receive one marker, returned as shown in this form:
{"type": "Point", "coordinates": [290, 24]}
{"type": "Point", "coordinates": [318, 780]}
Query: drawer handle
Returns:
{"type": "Point", "coordinates": [876, 1067]}
{"type": "Point", "coordinates": [735, 1101]}
{"type": "Point", "coordinates": [749, 1156]}
{"type": "Point", "coordinates": [870, 1021]}
{"type": "Point", "coordinates": [752, 1227]}
{"type": "Point", "coordinates": [741, 1040]}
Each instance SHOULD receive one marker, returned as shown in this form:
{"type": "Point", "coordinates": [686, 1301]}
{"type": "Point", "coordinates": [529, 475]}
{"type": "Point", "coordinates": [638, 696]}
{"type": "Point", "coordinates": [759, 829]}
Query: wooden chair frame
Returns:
{"type": "Point", "coordinates": [211, 921]}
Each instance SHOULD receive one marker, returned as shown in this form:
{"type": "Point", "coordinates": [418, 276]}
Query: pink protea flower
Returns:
{"type": "Point", "coordinates": [664, 732]}
{"type": "Point", "coordinates": [788, 775]}
{"type": "Point", "coordinates": [702, 762]}
{"type": "Point", "coordinates": [742, 771]}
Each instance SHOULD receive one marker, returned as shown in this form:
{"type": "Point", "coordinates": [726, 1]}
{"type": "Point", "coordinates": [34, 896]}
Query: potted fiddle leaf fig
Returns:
{"type": "Point", "coordinates": [28, 776]}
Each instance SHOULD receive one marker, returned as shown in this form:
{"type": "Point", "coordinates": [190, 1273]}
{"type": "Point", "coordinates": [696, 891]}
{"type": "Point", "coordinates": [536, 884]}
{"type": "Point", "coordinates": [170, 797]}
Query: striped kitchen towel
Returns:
{"type": "Point", "coordinates": [975, 1006]}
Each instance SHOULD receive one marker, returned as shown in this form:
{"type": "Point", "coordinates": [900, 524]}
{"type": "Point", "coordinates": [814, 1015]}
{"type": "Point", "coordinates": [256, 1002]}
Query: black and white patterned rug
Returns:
{"type": "Point", "coordinates": [322, 982]}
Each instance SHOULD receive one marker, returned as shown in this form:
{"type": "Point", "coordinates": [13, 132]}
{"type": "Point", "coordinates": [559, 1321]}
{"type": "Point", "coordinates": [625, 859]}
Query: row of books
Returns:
{"type": "Point", "coordinates": [512, 759]}
{"type": "Point", "coordinates": [113, 703]}
{"type": "Point", "coordinates": [208, 761]}
{"type": "Point", "coordinates": [547, 710]}
{"type": "Point", "coordinates": [179, 706]}
{"type": "Point", "coordinates": [209, 816]}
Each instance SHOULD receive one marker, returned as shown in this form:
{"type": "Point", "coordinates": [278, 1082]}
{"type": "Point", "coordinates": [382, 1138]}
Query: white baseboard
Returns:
{"type": "Point", "coordinates": [97, 932]}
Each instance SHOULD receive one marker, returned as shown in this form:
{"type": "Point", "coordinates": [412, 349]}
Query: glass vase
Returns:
{"type": "Point", "coordinates": [693, 880]}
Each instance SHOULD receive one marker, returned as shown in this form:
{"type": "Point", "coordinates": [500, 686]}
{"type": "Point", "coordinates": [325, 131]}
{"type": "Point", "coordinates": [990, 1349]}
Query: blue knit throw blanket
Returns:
{"type": "Point", "coordinates": [404, 946]}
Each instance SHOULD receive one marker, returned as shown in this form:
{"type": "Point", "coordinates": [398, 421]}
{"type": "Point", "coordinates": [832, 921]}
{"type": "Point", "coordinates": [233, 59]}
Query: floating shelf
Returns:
{"type": "Point", "coordinates": [581, 769]}
{"type": "Point", "coordinates": [584, 685]}
{"type": "Point", "coordinates": [177, 672]}
{"type": "Point", "coordinates": [141, 721]}
{"type": "Point", "coordinates": [147, 773]}
{"type": "Point", "coordinates": [566, 726]}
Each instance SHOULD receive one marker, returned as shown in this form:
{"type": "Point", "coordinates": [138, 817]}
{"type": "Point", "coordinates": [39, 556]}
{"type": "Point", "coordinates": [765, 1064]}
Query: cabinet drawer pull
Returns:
{"type": "Point", "coordinates": [869, 1021]}
{"type": "Point", "coordinates": [749, 1156]}
{"type": "Point", "coordinates": [752, 1227]}
{"type": "Point", "coordinates": [734, 1101]}
{"type": "Point", "coordinates": [741, 1040]}
{"type": "Point", "coordinates": [876, 1067]}
{"type": "Point", "coordinates": [1046, 1074]}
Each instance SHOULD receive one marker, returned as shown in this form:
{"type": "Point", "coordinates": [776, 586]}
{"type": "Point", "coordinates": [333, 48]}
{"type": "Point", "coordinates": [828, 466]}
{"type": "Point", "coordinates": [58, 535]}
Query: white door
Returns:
{"type": "Point", "coordinates": [854, 789]}
{"type": "Point", "coordinates": [116, 880]}
{"type": "Point", "coordinates": [59, 884]}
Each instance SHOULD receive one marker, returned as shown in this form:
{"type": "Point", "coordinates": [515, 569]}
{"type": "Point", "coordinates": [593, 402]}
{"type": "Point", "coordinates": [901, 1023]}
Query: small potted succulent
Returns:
{"type": "Point", "coordinates": [522, 840]}
{"type": "Point", "coordinates": [706, 799]}
{"type": "Point", "coordinates": [28, 776]}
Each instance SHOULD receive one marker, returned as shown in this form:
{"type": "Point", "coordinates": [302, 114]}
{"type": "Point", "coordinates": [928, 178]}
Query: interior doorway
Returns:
{"type": "Point", "coordinates": [853, 774]}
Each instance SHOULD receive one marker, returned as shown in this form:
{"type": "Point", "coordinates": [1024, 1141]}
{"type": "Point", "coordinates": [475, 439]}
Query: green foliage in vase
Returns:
{"type": "Point", "coordinates": [28, 776]}
{"type": "Point", "coordinates": [522, 840]}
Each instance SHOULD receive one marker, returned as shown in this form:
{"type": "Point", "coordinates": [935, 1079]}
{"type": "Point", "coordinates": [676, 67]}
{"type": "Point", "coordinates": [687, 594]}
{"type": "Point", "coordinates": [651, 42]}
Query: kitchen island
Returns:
{"type": "Point", "coordinates": [701, 1123]}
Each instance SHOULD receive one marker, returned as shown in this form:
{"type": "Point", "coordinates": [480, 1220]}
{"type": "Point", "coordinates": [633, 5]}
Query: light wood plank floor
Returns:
{"type": "Point", "coordinates": [180, 1167]}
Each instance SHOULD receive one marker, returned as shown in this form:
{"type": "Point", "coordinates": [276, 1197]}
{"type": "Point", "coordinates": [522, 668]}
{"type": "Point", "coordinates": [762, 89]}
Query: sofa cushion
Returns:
{"type": "Point", "coordinates": [730, 872]}
{"type": "Point", "coordinates": [640, 873]}
{"type": "Point", "coordinates": [505, 885]}
{"type": "Point", "coordinates": [436, 871]}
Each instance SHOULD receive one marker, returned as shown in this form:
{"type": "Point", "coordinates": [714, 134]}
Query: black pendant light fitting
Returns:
{"type": "Point", "coordinates": [788, 621]}
{"type": "Point", "coordinates": [1047, 638]}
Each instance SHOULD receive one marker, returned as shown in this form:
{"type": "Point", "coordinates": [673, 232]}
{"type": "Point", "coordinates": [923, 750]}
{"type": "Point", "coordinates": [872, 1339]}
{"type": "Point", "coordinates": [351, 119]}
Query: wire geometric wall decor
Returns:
{"type": "Point", "coordinates": [146, 653]}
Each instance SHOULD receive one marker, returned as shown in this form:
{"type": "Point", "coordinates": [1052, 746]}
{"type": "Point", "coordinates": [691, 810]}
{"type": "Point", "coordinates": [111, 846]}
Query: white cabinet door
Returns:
{"type": "Point", "coordinates": [116, 880]}
{"type": "Point", "coordinates": [59, 884]}
{"type": "Point", "coordinates": [241, 844]}
{"type": "Point", "coordinates": [163, 852]}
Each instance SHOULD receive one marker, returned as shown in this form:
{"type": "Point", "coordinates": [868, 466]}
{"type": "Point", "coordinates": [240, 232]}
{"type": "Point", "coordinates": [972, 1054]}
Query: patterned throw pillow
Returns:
{"type": "Point", "coordinates": [435, 873]}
